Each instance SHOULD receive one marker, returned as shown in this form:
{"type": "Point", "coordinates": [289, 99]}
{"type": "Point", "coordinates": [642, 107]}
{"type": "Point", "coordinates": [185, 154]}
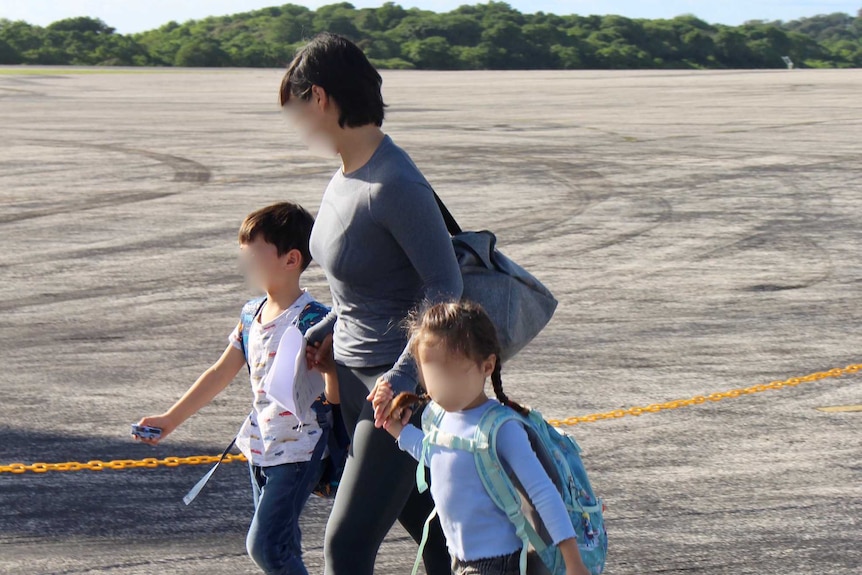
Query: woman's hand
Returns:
{"type": "Point", "coordinates": [319, 356]}
{"type": "Point", "coordinates": [380, 398]}
{"type": "Point", "coordinates": [164, 422]}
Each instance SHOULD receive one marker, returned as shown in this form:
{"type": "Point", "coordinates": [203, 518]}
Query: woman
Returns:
{"type": "Point", "coordinates": [382, 242]}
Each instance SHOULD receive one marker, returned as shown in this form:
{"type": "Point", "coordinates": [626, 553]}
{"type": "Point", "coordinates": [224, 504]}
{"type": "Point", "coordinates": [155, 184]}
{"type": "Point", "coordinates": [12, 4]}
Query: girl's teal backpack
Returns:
{"type": "Point", "coordinates": [560, 456]}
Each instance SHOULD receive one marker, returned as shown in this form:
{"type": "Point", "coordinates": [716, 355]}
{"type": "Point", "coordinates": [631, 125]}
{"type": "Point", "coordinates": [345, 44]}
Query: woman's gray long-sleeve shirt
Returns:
{"type": "Point", "coordinates": [382, 242]}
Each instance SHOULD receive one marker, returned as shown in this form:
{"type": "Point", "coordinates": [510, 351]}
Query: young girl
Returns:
{"type": "Point", "coordinates": [456, 349]}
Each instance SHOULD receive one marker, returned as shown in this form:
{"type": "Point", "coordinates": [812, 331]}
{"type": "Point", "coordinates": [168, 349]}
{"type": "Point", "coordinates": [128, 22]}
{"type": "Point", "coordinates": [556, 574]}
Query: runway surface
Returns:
{"type": "Point", "coordinates": [700, 229]}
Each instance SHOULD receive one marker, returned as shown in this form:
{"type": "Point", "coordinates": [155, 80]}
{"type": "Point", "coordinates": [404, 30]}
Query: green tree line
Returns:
{"type": "Point", "coordinates": [482, 36]}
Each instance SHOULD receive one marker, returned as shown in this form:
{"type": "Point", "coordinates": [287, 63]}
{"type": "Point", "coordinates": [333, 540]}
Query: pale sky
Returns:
{"type": "Point", "coordinates": [137, 15]}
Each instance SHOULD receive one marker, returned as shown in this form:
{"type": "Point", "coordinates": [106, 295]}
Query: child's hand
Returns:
{"type": "Point", "coordinates": [319, 356]}
{"type": "Point", "coordinates": [380, 397]}
{"type": "Point", "coordinates": [395, 424]}
{"type": "Point", "coordinates": [326, 363]}
{"type": "Point", "coordinates": [163, 422]}
{"type": "Point", "coordinates": [399, 413]}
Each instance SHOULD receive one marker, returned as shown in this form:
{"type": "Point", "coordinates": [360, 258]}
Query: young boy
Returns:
{"type": "Point", "coordinates": [274, 251]}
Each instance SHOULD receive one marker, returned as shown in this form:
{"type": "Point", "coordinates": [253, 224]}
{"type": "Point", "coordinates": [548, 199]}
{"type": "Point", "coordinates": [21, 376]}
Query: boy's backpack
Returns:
{"type": "Point", "coordinates": [333, 431]}
{"type": "Point", "coordinates": [559, 455]}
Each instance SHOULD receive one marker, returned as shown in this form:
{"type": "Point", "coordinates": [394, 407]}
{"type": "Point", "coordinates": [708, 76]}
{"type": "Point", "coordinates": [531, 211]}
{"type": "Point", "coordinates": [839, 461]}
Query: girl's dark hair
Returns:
{"type": "Point", "coordinates": [339, 67]}
{"type": "Point", "coordinates": [285, 225]}
{"type": "Point", "coordinates": [466, 329]}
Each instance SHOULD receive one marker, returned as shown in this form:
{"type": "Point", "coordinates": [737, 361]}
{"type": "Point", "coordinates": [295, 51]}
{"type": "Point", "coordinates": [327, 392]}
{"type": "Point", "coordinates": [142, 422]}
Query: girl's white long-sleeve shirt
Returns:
{"type": "Point", "coordinates": [475, 528]}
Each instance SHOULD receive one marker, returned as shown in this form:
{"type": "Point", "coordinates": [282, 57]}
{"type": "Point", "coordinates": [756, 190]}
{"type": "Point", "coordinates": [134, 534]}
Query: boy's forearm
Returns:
{"type": "Point", "coordinates": [211, 382]}
{"type": "Point", "coordinates": [330, 388]}
{"type": "Point", "coordinates": [208, 385]}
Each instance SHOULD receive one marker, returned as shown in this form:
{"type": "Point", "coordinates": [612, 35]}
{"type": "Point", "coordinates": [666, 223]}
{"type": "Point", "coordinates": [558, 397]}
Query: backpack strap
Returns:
{"type": "Point", "coordinates": [309, 316]}
{"type": "Point", "coordinates": [312, 314]}
{"type": "Point", "coordinates": [497, 482]}
{"type": "Point", "coordinates": [249, 311]}
{"type": "Point", "coordinates": [431, 418]}
{"type": "Point", "coordinates": [445, 439]}
{"type": "Point", "coordinates": [426, 529]}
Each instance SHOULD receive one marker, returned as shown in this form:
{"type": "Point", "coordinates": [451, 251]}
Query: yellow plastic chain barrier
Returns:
{"type": "Point", "coordinates": [97, 465]}
{"type": "Point", "coordinates": [698, 399]}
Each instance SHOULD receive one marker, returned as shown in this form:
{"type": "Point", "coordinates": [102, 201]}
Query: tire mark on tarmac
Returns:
{"type": "Point", "coordinates": [6, 92]}
{"type": "Point", "coordinates": [185, 170]}
{"type": "Point", "coordinates": [539, 221]}
{"type": "Point", "coordinates": [662, 216]}
{"type": "Point", "coordinates": [166, 284]}
{"type": "Point", "coordinates": [764, 234]}
{"type": "Point", "coordinates": [151, 563]}
{"type": "Point", "coordinates": [544, 222]}
{"type": "Point", "coordinates": [20, 81]}
{"type": "Point", "coordinates": [163, 241]}
{"type": "Point", "coordinates": [787, 174]}
{"type": "Point", "coordinates": [788, 233]}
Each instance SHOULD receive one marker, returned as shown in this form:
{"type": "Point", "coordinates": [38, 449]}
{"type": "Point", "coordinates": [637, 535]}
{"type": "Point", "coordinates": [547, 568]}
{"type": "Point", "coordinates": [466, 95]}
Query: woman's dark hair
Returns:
{"type": "Point", "coordinates": [285, 225]}
{"type": "Point", "coordinates": [466, 329]}
{"type": "Point", "coordinates": [339, 67]}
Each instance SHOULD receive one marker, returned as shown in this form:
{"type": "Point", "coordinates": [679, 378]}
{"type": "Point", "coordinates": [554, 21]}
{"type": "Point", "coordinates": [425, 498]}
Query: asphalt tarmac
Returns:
{"type": "Point", "coordinates": [700, 229]}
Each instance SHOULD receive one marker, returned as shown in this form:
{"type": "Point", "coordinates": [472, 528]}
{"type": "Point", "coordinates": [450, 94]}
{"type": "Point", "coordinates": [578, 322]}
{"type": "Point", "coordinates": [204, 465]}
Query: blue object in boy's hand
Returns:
{"type": "Point", "coordinates": [146, 432]}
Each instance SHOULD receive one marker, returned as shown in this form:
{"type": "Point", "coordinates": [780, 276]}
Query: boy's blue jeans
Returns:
{"type": "Point", "coordinates": [280, 492]}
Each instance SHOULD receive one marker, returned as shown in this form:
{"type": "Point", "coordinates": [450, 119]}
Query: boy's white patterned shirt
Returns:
{"type": "Point", "coordinates": [271, 435]}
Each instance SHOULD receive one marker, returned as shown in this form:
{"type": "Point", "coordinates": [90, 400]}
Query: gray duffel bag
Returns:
{"type": "Point", "coordinates": [519, 304]}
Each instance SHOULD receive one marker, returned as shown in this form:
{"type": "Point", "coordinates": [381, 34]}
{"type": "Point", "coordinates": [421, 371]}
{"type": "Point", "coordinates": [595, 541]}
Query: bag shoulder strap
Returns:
{"type": "Point", "coordinates": [451, 224]}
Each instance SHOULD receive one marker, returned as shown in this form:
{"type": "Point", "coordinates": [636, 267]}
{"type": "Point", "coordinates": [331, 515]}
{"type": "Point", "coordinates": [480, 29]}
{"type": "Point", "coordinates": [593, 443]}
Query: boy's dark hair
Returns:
{"type": "Point", "coordinates": [285, 225]}
{"type": "Point", "coordinates": [339, 67]}
{"type": "Point", "coordinates": [465, 328]}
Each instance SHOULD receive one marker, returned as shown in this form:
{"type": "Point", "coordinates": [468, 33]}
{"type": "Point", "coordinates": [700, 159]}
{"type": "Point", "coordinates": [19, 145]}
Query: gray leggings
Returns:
{"type": "Point", "coordinates": [378, 487]}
